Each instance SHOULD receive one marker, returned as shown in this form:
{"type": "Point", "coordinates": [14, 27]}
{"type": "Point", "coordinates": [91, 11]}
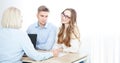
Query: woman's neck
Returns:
{"type": "Point", "coordinates": [66, 26]}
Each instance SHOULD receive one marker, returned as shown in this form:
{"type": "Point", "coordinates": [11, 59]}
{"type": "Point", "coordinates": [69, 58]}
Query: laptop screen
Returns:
{"type": "Point", "coordinates": [33, 38]}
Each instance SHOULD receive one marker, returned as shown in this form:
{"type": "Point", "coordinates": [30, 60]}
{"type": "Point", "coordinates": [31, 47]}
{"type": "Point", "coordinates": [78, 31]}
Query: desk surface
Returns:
{"type": "Point", "coordinates": [67, 58]}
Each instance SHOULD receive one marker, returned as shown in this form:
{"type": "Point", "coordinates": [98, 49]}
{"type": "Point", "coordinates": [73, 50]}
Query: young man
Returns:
{"type": "Point", "coordinates": [45, 31]}
{"type": "Point", "coordinates": [14, 42]}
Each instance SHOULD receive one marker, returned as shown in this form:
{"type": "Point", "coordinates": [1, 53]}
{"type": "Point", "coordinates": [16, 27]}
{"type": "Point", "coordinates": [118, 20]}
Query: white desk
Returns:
{"type": "Point", "coordinates": [68, 58]}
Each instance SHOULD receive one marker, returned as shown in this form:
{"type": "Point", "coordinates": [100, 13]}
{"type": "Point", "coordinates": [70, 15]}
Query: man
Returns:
{"type": "Point", "coordinates": [45, 31]}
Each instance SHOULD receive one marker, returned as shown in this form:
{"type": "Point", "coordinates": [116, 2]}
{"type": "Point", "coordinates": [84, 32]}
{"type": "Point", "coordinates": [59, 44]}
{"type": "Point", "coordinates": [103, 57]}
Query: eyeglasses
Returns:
{"type": "Point", "coordinates": [66, 16]}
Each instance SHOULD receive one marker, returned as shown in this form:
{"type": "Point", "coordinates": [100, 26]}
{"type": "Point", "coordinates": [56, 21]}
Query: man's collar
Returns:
{"type": "Point", "coordinates": [38, 25]}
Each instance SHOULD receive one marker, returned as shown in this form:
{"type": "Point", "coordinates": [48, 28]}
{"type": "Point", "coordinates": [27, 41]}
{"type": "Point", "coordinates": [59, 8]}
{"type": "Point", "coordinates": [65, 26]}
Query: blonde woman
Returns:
{"type": "Point", "coordinates": [14, 43]}
{"type": "Point", "coordinates": [68, 39]}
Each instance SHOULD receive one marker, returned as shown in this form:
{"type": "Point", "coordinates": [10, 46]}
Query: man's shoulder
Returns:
{"type": "Point", "coordinates": [33, 25]}
{"type": "Point", "coordinates": [51, 25]}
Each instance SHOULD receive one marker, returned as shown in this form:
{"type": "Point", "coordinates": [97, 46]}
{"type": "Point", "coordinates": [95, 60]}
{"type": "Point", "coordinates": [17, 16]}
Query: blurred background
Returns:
{"type": "Point", "coordinates": [98, 21]}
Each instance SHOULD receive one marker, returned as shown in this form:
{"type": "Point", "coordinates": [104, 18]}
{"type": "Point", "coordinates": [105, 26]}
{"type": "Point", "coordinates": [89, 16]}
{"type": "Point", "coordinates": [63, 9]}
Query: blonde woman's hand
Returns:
{"type": "Point", "coordinates": [55, 53]}
{"type": "Point", "coordinates": [60, 49]}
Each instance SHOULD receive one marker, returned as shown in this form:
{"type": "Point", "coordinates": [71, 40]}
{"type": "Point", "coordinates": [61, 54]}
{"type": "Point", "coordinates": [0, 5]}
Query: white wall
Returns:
{"type": "Point", "coordinates": [98, 21]}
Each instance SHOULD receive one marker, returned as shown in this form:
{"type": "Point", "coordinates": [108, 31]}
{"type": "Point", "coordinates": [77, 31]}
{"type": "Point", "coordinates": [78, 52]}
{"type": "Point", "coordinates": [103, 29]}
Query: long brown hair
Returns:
{"type": "Point", "coordinates": [69, 31]}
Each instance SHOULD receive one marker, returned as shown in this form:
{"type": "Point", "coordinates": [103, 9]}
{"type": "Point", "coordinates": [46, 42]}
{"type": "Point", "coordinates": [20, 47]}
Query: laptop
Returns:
{"type": "Point", "coordinates": [33, 38]}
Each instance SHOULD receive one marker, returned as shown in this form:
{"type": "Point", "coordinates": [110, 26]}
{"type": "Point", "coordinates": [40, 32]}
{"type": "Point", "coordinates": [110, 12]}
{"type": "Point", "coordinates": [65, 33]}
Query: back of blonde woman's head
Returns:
{"type": "Point", "coordinates": [11, 18]}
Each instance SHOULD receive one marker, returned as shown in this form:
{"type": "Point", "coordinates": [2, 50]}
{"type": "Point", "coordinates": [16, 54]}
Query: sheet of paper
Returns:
{"type": "Point", "coordinates": [61, 54]}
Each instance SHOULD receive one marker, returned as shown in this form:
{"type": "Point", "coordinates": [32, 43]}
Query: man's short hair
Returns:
{"type": "Point", "coordinates": [43, 8]}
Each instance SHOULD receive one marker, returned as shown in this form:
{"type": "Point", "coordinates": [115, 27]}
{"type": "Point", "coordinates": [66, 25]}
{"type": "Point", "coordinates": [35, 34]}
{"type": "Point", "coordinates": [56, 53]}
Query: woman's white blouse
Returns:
{"type": "Point", "coordinates": [75, 46]}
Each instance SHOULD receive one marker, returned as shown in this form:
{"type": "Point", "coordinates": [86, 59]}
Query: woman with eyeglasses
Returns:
{"type": "Point", "coordinates": [68, 39]}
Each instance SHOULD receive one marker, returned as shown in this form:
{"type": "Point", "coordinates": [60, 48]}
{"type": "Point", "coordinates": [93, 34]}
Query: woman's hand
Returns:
{"type": "Point", "coordinates": [55, 53]}
{"type": "Point", "coordinates": [60, 49]}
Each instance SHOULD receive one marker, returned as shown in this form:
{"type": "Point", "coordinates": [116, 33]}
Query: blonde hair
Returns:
{"type": "Point", "coordinates": [11, 18]}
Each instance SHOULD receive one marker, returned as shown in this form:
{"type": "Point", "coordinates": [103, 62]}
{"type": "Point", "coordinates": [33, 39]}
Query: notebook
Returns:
{"type": "Point", "coordinates": [33, 38]}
